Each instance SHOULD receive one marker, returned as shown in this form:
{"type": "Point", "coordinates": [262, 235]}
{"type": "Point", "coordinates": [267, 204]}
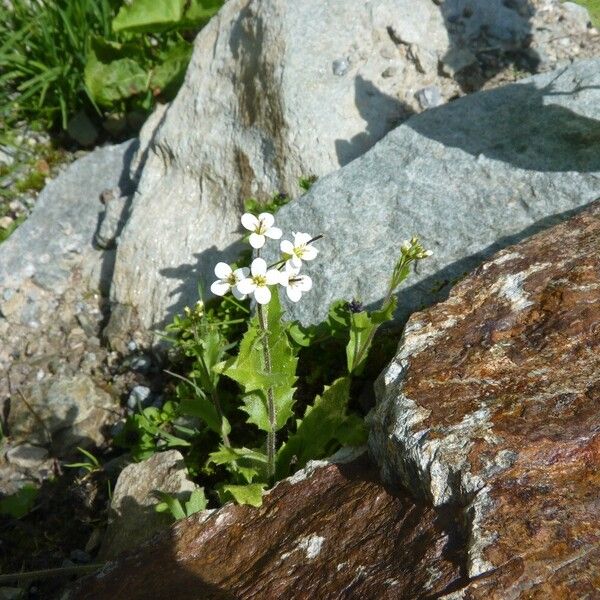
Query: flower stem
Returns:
{"type": "Point", "coordinates": [367, 345]}
{"type": "Point", "coordinates": [271, 439]}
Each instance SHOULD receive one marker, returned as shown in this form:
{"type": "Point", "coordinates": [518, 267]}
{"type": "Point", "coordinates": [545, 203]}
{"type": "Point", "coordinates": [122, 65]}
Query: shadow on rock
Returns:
{"type": "Point", "coordinates": [381, 112]}
{"type": "Point", "coordinates": [337, 532]}
{"type": "Point", "coordinates": [126, 187]}
{"type": "Point", "coordinates": [547, 137]}
{"type": "Point", "coordinates": [192, 278]}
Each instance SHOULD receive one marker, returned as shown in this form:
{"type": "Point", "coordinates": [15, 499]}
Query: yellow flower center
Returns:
{"type": "Point", "coordinates": [261, 228]}
{"type": "Point", "coordinates": [259, 280]}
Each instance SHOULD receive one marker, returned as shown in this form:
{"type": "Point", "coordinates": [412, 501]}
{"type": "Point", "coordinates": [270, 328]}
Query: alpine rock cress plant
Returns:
{"type": "Point", "coordinates": [283, 427]}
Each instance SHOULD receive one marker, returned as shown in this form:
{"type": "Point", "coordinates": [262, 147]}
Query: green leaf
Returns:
{"type": "Point", "coordinates": [196, 503]}
{"type": "Point", "coordinates": [352, 432]}
{"type": "Point", "coordinates": [251, 493]}
{"type": "Point", "coordinates": [227, 455]}
{"type": "Point", "coordinates": [143, 16]}
{"type": "Point", "coordinates": [361, 337]}
{"type": "Point", "coordinates": [170, 503]}
{"type": "Point", "coordinates": [338, 319]}
{"type": "Point", "coordinates": [255, 406]}
{"type": "Point", "coordinates": [172, 441]}
{"type": "Point", "coordinates": [200, 11]}
{"type": "Point", "coordinates": [324, 427]}
{"type": "Point", "coordinates": [112, 72]}
{"type": "Point", "coordinates": [19, 504]}
{"type": "Point", "coordinates": [200, 406]}
{"type": "Point", "coordinates": [240, 461]}
{"type": "Point", "coordinates": [150, 16]}
{"type": "Point", "coordinates": [303, 335]}
{"type": "Point", "coordinates": [386, 312]}
{"type": "Point", "coordinates": [249, 369]}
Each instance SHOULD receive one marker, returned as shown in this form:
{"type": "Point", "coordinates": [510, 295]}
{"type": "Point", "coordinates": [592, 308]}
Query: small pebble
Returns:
{"type": "Point", "coordinates": [340, 67]}
{"type": "Point", "coordinates": [140, 394]}
{"type": "Point", "coordinates": [141, 364]}
{"type": "Point", "coordinates": [429, 97]}
{"type": "Point", "coordinates": [6, 222]}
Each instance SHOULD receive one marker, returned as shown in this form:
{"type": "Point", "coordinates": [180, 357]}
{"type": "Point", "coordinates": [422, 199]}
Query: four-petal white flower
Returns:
{"type": "Point", "coordinates": [228, 280]}
{"type": "Point", "coordinates": [299, 250]}
{"type": "Point", "coordinates": [261, 228]}
{"type": "Point", "coordinates": [259, 281]}
{"type": "Point", "coordinates": [295, 284]}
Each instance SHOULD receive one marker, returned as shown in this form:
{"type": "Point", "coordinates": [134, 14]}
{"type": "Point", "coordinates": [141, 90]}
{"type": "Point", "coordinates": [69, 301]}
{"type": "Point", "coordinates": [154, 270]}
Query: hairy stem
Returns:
{"type": "Point", "coordinates": [271, 439]}
{"type": "Point", "coordinates": [215, 399]}
{"type": "Point", "coordinates": [366, 346]}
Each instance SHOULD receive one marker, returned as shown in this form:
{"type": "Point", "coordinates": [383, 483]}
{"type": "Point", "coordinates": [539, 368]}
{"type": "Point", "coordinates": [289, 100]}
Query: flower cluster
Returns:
{"type": "Point", "coordinates": [257, 280]}
{"type": "Point", "coordinates": [413, 250]}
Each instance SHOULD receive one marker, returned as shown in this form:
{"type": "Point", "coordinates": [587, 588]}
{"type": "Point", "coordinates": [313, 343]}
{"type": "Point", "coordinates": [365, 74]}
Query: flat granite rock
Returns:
{"type": "Point", "coordinates": [469, 178]}
{"type": "Point", "coordinates": [331, 531]}
{"type": "Point", "coordinates": [492, 403]}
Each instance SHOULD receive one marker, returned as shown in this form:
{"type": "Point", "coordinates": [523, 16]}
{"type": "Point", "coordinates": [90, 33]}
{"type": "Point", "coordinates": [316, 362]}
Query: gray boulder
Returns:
{"type": "Point", "coordinates": [58, 235]}
{"type": "Point", "coordinates": [264, 103]}
{"type": "Point", "coordinates": [468, 178]}
{"type": "Point", "coordinates": [277, 90]}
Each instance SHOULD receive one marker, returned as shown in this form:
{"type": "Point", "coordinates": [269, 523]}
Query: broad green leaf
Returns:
{"type": "Point", "coordinates": [302, 335]}
{"type": "Point", "coordinates": [255, 406]}
{"type": "Point", "coordinates": [336, 325]}
{"type": "Point", "coordinates": [196, 503]}
{"type": "Point", "coordinates": [173, 441]}
{"type": "Point", "coordinates": [229, 455]}
{"type": "Point", "coordinates": [240, 461]}
{"type": "Point", "coordinates": [113, 72]}
{"type": "Point", "coordinates": [150, 16]}
{"type": "Point", "coordinates": [200, 406]}
{"type": "Point", "coordinates": [352, 432]}
{"type": "Point", "coordinates": [199, 11]}
{"type": "Point", "coordinates": [243, 494]}
{"type": "Point", "coordinates": [248, 473]}
{"type": "Point", "coordinates": [338, 319]}
{"type": "Point", "coordinates": [142, 16]}
{"type": "Point", "coordinates": [325, 426]}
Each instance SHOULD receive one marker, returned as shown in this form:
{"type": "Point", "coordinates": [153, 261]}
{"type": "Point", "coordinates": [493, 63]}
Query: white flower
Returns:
{"type": "Point", "coordinates": [228, 280]}
{"type": "Point", "coordinates": [295, 284]}
{"type": "Point", "coordinates": [261, 228]}
{"type": "Point", "coordinates": [300, 250]}
{"type": "Point", "coordinates": [259, 281]}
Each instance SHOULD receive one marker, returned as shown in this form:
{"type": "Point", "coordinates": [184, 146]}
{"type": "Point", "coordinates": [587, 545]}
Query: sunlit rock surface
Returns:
{"type": "Point", "coordinates": [492, 404]}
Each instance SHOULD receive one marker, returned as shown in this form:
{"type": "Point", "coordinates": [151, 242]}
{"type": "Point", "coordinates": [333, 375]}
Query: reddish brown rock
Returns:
{"type": "Point", "coordinates": [335, 533]}
{"type": "Point", "coordinates": [493, 403]}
